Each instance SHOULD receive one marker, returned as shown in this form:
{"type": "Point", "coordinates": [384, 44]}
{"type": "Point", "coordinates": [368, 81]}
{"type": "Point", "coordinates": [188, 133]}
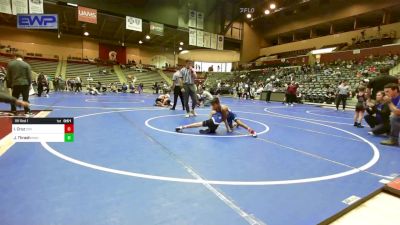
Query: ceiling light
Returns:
{"type": "Point", "coordinates": [248, 16]}
{"type": "Point", "coordinates": [272, 6]}
{"type": "Point", "coordinates": [266, 12]}
{"type": "Point", "coordinates": [180, 48]}
{"type": "Point", "coordinates": [322, 51]}
{"type": "Point", "coordinates": [181, 43]}
{"type": "Point", "coordinates": [86, 33]}
{"type": "Point", "coordinates": [72, 4]}
{"type": "Point", "coordinates": [147, 37]}
{"type": "Point", "coordinates": [140, 42]}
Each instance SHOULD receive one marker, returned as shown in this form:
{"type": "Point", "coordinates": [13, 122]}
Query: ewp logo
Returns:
{"type": "Point", "coordinates": [37, 21]}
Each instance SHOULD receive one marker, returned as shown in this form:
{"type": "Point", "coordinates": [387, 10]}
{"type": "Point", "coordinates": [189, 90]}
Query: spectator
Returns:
{"type": "Point", "coordinates": [56, 83]}
{"type": "Point", "coordinates": [124, 88]}
{"type": "Point", "coordinates": [140, 88]}
{"type": "Point", "coordinates": [269, 88]}
{"type": "Point", "coordinates": [392, 98]}
{"type": "Point", "coordinates": [291, 92]}
{"type": "Point", "coordinates": [19, 78]}
{"type": "Point", "coordinates": [78, 84]}
{"type": "Point", "coordinates": [3, 76]}
{"type": "Point", "coordinates": [41, 83]}
{"type": "Point", "coordinates": [156, 87]}
{"type": "Point", "coordinates": [378, 115]}
{"type": "Point", "coordinates": [205, 98]}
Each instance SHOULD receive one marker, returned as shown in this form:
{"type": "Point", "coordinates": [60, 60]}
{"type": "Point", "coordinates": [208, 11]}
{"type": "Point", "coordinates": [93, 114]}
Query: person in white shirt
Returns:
{"type": "Point", "coordinates": [177, 89]}
{"type": "Point", "coordinates": [205, 98]}
{"type": "Point", "coordinates": [269, 87]}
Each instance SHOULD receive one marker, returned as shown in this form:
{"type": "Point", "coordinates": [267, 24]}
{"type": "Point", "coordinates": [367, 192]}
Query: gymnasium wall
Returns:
{"type": "Point", "coordinates": [148, 56]}
{"type": "Point", "coordinates": [251, 44]}
{"type": "Point", "coordinates": [47, 44]}
{"type": "Point", "coordinates": [316, 18]}
{"type": "Point", "coordinates": [327, 40]}
{"type": "Point", "coordinates": [170, 12]}
{"type": "Point", "coordinates": [349, 55]}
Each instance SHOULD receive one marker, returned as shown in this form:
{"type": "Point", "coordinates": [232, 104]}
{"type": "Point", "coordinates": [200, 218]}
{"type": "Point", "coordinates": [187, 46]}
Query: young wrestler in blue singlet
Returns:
{"type": "Point", "coordinates": [219, 114]}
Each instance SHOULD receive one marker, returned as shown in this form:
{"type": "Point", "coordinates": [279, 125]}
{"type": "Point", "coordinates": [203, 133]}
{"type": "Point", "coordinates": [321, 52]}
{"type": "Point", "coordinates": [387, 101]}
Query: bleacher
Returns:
{"type": "Point", "coordinates": [294, 53]}
{"type": "Point", "coordinates": [82, 70]}
{"type": "Point", "coordinates": [5, 59]}
{"type": "Point", "coordinates": [147, 78]}
{"type": "Point", "coordinates": [214, 77]}
{"type": "Point", "coordinates": [47, 67]}
{"type": "Point", "coordinates": [371, 43]}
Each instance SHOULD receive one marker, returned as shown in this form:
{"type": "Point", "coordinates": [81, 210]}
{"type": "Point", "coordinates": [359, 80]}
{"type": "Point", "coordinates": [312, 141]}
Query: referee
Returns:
{"type": "Point", "coordinates": [189, 87]}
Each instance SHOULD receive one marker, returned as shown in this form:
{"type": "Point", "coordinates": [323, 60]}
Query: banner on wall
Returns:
{"type": "Point", "coordinates": [213, 41]}
{"type": "Point", "coordinates": [133, 23]}
{"type": "Point", "coordinates": [192, 36]}
{"type": "Point", "coordinates": [200, 20]}
{"type": "Point", "coordinates": [37, 21]}
{"type": "Point", "coordinates": [19, 7]}
{"type": "Point", "coordinates": [200, 40]}
{"type": "Point", "coordinates": [157, 28]}
{"type": "Point", "coordinates": [220, 43]}
{"type": "Point", "coordinates": [114, 53]}
{"type": "Point", "coordinates": [87, 15]}
{"type": "Point", "coordinates": [36, 6]}
{"type": "Point", "coordinates": [192, 18]}
{"type": "Point", "coordinates": [207, 40]}
{"type": "Point", "coordinates": [5, 7]}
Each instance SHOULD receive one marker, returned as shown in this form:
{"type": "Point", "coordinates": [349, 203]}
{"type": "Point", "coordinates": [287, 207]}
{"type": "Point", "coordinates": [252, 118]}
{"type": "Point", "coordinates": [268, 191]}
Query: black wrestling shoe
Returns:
{"type": "Point", "coordinates": [171, 108]}
{"type": "Point", "coordinates": [179, 129]}
{"type": "Point", "coordinates": [355, 124]}
{"type": "Point", "coordinates": [206, 131]}
{"type": "Point", "coordinates": [360, 126]}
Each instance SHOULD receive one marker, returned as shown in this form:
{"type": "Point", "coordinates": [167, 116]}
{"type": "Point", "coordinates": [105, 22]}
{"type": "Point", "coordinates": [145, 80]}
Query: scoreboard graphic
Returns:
{"type": "Point", "coordinates": [43, 129]}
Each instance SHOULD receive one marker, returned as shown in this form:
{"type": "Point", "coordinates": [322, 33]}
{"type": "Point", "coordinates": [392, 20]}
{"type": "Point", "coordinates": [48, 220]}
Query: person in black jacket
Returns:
{"type": "Point", "coordinates": [19, 78]}
{"type": "Point", "coordinates": [42, 83]}
{"type": "Point", "coordinates": [378, 117]}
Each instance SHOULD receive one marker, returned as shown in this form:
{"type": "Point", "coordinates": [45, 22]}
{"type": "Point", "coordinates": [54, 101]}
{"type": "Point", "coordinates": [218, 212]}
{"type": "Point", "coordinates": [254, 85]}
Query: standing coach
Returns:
{"type": "Point", "coordinates": [19, 79]}
{"type": "Point", "coordinates": [189, 87]}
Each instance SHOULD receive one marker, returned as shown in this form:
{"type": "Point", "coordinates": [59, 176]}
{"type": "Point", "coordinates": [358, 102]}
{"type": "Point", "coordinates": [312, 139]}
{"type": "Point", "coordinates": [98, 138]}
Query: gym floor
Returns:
{"type": "Point", "coordinates": [128, 166]}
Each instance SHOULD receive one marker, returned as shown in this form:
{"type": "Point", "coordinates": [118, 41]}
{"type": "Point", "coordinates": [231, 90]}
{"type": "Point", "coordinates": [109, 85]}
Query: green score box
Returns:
{"type": "Point", "coordinates": [69, 137]}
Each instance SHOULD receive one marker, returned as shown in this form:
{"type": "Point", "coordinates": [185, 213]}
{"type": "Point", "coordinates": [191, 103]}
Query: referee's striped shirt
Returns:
{"type": "Point", "coordinates": [187, 76]}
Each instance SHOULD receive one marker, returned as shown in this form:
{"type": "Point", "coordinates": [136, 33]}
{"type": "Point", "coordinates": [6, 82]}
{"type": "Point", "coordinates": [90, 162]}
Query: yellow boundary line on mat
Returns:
{"type": "Point", "coordinates": [6, 143]}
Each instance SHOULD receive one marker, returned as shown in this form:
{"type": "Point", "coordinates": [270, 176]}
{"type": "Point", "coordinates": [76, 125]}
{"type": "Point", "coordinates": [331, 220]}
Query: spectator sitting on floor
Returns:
{"type": "Point", "coordinates": [163, 101]}
{"type": "Point", "coordinates": [205, 98]}
{"type": "Point", "coordinates": [378, 117]}
{"type": "Point", "coordinates": [92, 90]}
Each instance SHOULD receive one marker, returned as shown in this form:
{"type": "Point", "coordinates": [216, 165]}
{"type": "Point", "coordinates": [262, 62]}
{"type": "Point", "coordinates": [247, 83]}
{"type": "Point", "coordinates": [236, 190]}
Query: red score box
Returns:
{"type": "Point", "coordinates": [395, 184]}
{"type": "Point", "coordinates": [68, 128]}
